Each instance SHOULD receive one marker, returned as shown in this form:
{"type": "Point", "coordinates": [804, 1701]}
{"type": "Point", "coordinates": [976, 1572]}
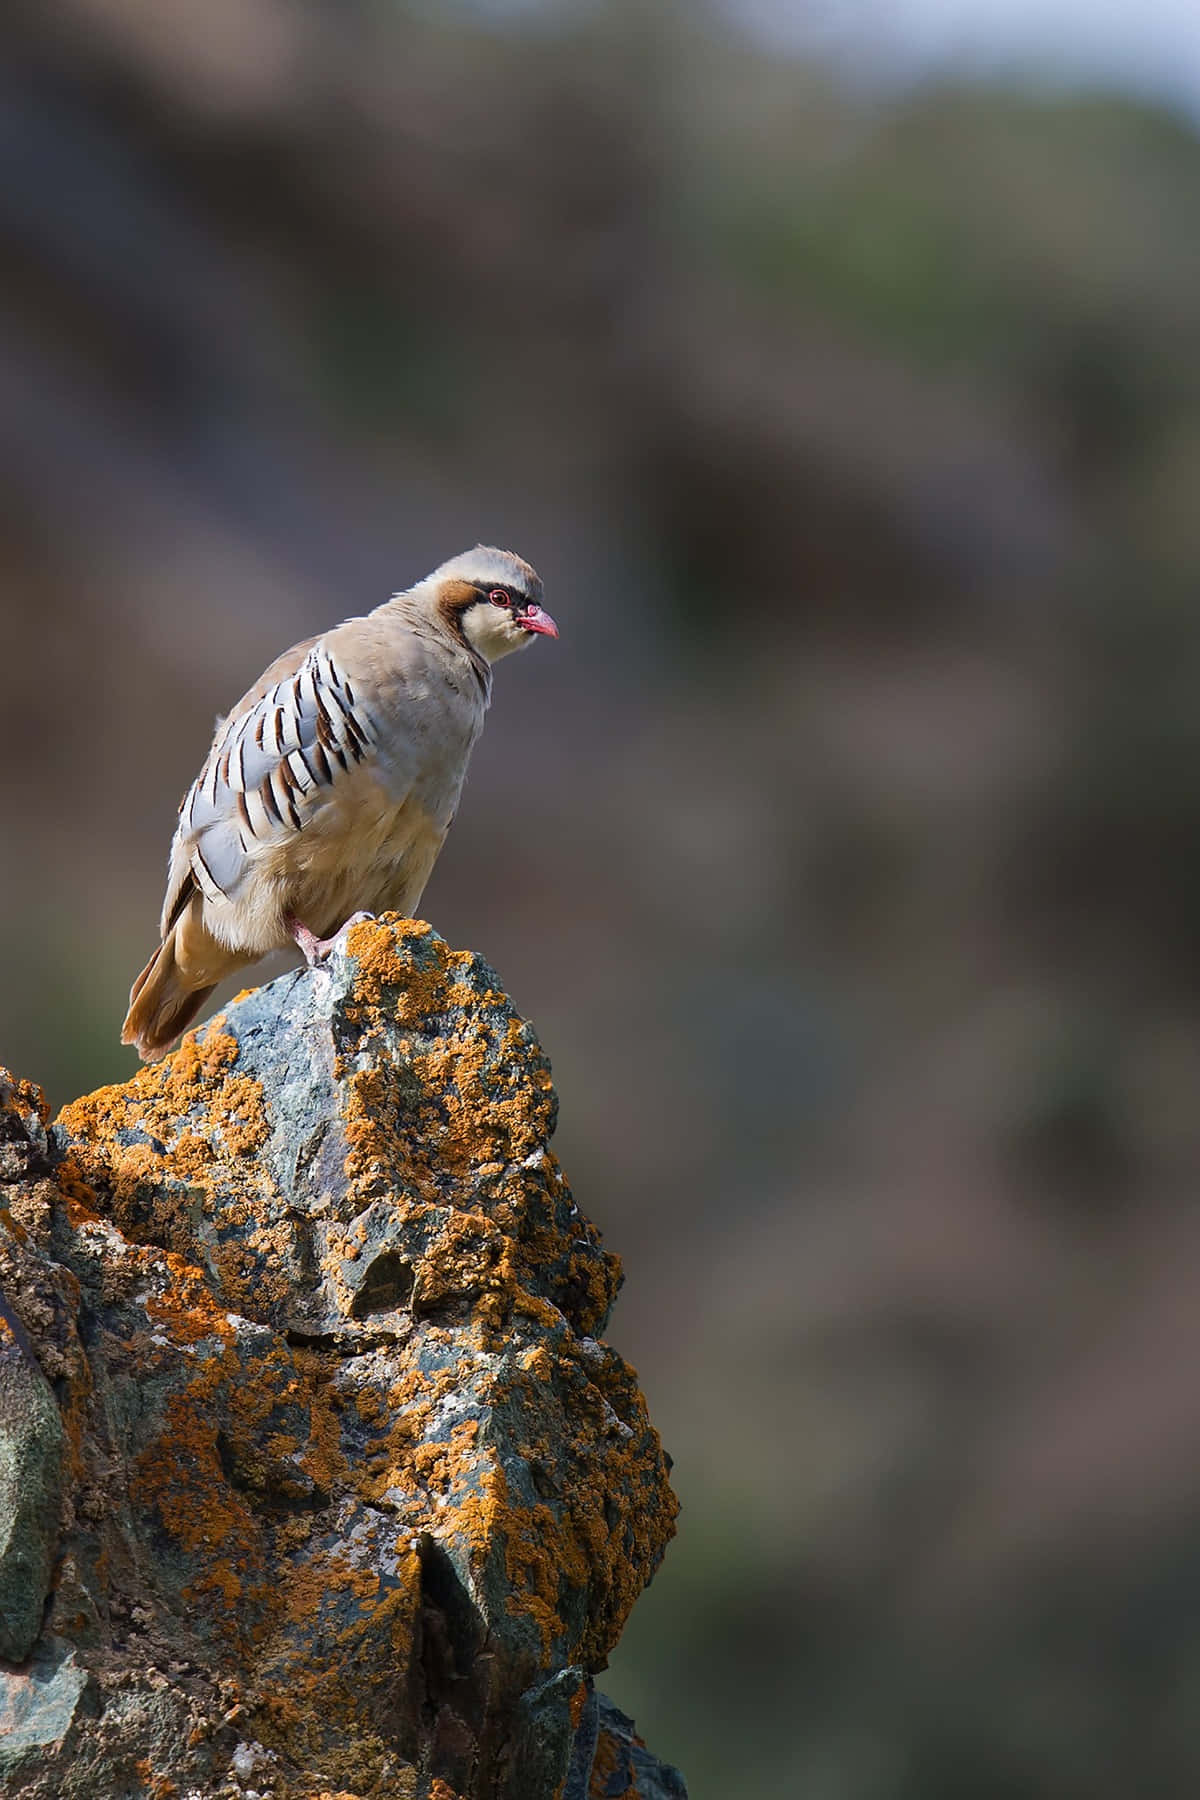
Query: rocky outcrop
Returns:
{"type": "Point", "coordinates": [316, 1478]}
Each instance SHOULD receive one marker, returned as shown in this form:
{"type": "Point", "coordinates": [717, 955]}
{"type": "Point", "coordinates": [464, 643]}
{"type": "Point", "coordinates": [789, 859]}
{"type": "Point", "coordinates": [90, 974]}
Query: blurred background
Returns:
{"type": "Point", "coordinates": [837, 365]}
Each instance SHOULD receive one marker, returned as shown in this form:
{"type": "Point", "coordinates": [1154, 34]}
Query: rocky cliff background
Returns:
{"type": "Point", "coordinates": [843, 850]}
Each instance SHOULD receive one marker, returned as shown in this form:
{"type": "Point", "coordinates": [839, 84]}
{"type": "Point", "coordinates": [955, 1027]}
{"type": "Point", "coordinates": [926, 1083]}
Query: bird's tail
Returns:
{"type": "Point", "coordinates": [162, 1003]}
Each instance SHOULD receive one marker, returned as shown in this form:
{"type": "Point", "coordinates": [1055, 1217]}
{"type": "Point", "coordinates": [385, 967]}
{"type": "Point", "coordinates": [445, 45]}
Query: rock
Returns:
{"type": "Point", "coordinates": [356, 1500]}
{"type": "Point", "coordinates": [622, 1767]}
{"type": "Point", "coordinates": [31, 1446]}
{"type": "Point", "coordinates": [38, 1708]}
{"type": "Point", "coordinates": [31, 1428]}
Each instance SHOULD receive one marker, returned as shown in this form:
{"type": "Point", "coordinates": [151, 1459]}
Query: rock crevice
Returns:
{"type": "Point", "coordinates": [317, 1477]}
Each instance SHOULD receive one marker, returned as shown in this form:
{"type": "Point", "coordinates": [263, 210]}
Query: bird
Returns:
{"type": "Point", "coordinates": [330, 787]}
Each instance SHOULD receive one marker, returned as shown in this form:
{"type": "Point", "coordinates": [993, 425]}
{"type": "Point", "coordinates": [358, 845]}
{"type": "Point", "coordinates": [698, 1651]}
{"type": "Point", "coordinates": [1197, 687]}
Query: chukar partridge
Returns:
{"type": "Point", "coordinates": [330, 787]}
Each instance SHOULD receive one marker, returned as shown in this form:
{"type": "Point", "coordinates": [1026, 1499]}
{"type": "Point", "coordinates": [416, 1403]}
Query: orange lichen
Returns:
{"type": "Point", "coordinates": [171, 1088]}
{"type": "Point", "coordinates": [186, 1310]}
{"type": "Point", "coordinates": [78, 1194]}
{"type": "Point", "coordinates": [158, 1787]}
{"type": "Point", "coordinates": [157, 1108]}
{"type": "Point", "coordinates": [12, 1226]}
{"type": "Point", "coordinates": [608, 1765]}
{"type": "Point", "coordinates": [465, 1120]}
{"type": "Point", "coordinates": [469, 1120]}
{"type": "Point", "coordinates": [22, 1096]}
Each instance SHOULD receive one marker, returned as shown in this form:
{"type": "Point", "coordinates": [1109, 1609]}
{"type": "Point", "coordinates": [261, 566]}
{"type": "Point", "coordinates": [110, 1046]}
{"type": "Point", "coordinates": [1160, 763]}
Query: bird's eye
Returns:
{"type": "Point", "coordinates": [499, 597]}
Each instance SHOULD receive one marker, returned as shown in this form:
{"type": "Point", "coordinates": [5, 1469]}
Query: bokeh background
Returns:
{"type": "Point", "coordinates": [838, 367]}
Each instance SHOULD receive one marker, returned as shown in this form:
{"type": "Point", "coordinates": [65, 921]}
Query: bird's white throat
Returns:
{"type": "Point", "coordinates": [493, 631]}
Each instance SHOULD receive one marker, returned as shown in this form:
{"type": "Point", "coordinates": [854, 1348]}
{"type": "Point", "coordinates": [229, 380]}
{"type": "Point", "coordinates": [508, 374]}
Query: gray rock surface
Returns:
{"type": "Point", "coordinates": [31, 1453]}
{"type": "Point", "coordinates": [315, 1476]}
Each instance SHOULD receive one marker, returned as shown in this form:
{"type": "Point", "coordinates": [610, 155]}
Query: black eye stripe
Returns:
{"type": "Point", "coordinates": [517, 602]}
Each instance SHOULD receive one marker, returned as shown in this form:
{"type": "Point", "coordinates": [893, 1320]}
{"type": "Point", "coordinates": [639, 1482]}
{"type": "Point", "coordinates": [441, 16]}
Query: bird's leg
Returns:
{"type": "Point", "coordinates": [316, 949]}
{"type": "Point", "coordinates": [308, 941]}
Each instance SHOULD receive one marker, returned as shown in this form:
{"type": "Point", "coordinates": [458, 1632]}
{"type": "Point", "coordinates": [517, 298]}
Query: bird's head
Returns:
{"type": "Point", "coordinates": [493, 598]}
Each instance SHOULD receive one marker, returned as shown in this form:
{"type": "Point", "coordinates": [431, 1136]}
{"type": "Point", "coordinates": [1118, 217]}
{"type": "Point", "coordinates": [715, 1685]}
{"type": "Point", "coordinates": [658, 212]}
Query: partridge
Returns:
{"type": "Point", "coordinates": [330, 787]}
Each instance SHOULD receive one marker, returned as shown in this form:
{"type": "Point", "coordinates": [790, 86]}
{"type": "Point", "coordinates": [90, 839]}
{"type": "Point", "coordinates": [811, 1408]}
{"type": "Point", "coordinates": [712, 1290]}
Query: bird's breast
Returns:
{"type": "Point", "coordinates": [361, 853]}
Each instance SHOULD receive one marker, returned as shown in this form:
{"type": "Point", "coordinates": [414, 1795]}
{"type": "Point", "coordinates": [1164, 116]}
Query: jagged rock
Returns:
{"type": "Point", "coordinates": [622, 1768]}
{"type": "Point", "coordinates": [31, 1430]}
{"type": "Point", "coordinates": [31, 1446]}
{"type": "Point", "coordinates": [354, 1499]}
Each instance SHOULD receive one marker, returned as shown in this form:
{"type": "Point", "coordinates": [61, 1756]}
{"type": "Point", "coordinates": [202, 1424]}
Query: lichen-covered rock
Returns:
{"type": "Point", "coordinates": [31, 1446]}
{"type": "Point", "coordinates": [353, 1498]}
{"type": "Point", "coordinates": [31, 1429]}
{"type": "Point", "coordinates": [621, 1766]}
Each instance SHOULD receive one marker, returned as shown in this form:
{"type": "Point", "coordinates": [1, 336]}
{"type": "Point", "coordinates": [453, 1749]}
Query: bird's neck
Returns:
{"type": "Point", "coordinates": [414, 610]}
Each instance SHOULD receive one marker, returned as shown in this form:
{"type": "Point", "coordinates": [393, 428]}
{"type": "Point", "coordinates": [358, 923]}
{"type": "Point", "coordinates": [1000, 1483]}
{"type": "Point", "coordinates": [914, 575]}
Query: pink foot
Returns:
{"type": "Point", "coordinates": [316, 949]}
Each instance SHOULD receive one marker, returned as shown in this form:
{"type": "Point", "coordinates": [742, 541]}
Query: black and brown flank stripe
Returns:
{"type": "Point", "coordinates": [291, 741]}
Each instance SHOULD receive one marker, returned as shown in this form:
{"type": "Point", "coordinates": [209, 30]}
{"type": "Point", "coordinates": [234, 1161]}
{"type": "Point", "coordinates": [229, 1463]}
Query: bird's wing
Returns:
{"type": "Point", "coordinates": [279, 753]}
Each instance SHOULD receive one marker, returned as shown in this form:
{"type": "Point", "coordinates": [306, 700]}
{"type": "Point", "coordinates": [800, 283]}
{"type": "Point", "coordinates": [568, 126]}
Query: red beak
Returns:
{"type": "Point", "coordinates": [537, 620]}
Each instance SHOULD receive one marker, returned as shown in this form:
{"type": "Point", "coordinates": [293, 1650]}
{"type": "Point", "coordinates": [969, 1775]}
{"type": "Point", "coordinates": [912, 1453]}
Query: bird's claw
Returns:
{"type": "Point", "coordinates": [316, 949]}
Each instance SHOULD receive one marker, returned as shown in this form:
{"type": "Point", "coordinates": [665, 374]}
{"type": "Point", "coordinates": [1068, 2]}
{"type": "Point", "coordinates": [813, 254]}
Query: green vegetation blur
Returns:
{"type": "Point", "coordinates": [845, 850]}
